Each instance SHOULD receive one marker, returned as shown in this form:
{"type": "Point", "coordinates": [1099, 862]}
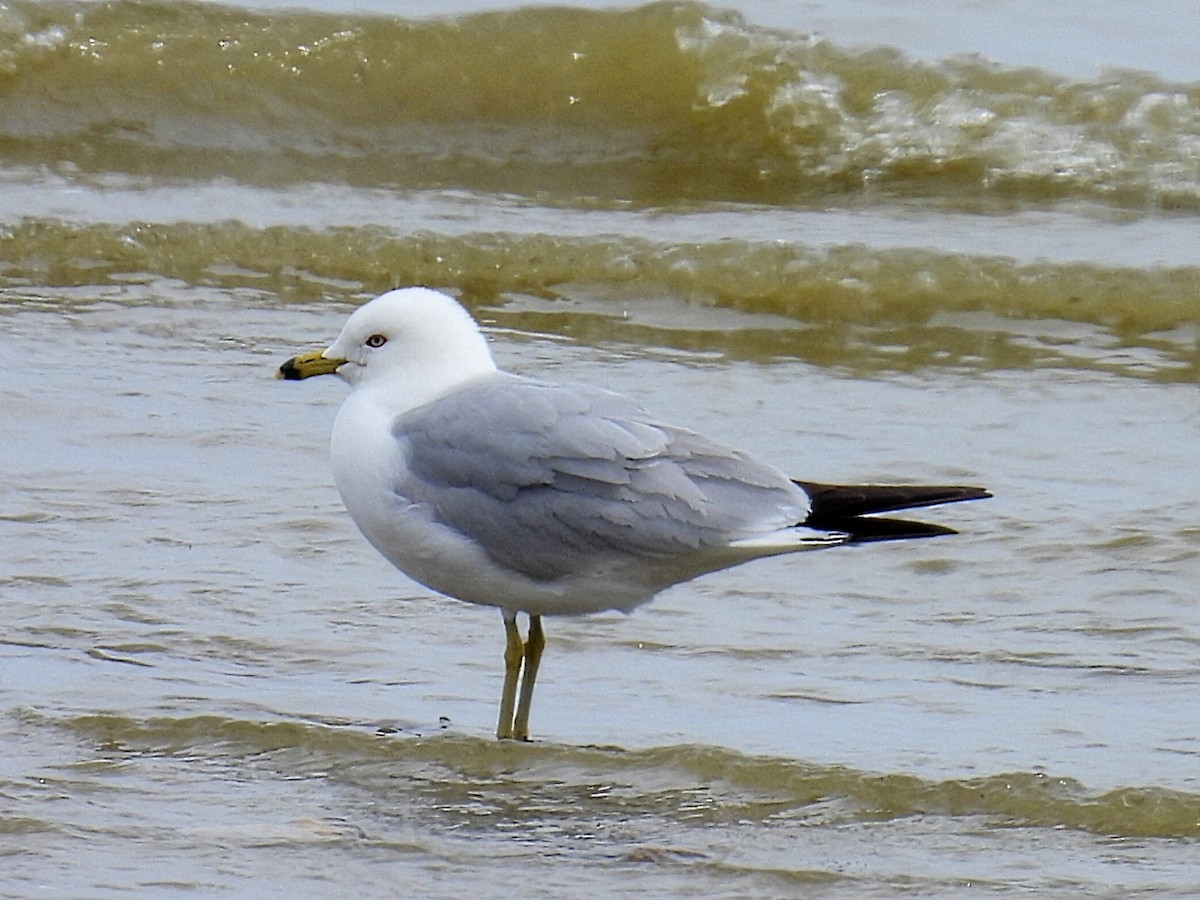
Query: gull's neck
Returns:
{"type": "Point", "coordinates": [411, 386]}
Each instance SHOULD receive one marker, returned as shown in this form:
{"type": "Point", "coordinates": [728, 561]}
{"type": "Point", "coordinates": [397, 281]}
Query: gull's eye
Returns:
{"type": "Point", "coordinates": [376, 340]}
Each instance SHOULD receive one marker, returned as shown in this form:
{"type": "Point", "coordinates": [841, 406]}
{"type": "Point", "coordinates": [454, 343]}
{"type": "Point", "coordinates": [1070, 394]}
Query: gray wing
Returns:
{"type": "Point", "coordinates": [552, 479]}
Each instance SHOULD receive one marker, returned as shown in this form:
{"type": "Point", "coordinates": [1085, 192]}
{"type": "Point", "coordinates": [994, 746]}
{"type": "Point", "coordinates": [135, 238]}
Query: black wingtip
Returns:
{"type": "Point", "coordinates": [844, 501]}
{"type": "Point", "coordinates": [864, 529]}
{"type": "Point", "coordinates": [851, 508]}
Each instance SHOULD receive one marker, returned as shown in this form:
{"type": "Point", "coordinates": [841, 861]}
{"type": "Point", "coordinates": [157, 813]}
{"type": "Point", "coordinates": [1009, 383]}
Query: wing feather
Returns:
{"type": "Point", "coordinates": [552, 479]}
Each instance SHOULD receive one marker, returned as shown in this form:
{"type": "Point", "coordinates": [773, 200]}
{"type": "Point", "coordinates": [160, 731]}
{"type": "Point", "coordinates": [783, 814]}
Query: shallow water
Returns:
{"type": "Point", "coordinates": [190, 615]}
{"type": "Point", "coordinates": [210, 684]}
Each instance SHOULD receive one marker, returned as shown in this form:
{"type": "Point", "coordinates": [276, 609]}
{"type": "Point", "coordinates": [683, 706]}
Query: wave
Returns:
{"type": "Point", "coordinates": [853, 306]}
{"type": "Point", "coordinates": [671, 102]}
{"type": "Point", "coordinates": [704, 785]}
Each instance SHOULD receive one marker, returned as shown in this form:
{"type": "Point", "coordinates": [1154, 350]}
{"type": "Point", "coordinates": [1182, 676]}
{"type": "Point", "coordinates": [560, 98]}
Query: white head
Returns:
{"type": "Point", "coordinates": [417, 336]}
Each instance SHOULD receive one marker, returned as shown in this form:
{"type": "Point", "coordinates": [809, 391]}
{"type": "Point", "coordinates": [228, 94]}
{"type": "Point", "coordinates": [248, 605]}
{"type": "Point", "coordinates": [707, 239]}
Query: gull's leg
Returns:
{"type": "Point", "coordinates": [514, 652]}
{"type": "Point", "coordinates": [533, 657]}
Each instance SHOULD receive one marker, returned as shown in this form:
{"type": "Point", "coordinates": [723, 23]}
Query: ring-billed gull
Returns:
{"type": "Point", "coordinates": [553, 499]}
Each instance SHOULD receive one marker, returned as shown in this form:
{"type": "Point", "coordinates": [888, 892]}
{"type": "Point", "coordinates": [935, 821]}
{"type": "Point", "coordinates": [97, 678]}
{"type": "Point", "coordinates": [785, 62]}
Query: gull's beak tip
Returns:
{"type": "Point", "coordinates": [288, 371]}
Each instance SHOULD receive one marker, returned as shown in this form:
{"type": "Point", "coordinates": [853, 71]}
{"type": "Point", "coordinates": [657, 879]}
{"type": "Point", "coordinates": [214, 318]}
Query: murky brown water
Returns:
{"type": "Point", "coordinates": [858, 265]}
{"type": "Point", "coordinates": [203, 663]}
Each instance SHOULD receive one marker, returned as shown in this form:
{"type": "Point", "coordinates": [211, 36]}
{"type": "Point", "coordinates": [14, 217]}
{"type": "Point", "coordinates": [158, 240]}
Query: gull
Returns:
{"type": "Point", "coordinates": [553, 499]}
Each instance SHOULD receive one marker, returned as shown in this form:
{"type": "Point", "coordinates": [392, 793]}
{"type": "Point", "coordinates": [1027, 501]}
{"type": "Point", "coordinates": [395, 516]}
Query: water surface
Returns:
{"type": "Point", "coordinates": [835, 241]}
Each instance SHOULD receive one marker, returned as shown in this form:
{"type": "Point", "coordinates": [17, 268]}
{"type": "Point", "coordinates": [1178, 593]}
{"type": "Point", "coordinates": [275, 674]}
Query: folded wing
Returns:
{"type": "Point", "coordinates": [552, 480]}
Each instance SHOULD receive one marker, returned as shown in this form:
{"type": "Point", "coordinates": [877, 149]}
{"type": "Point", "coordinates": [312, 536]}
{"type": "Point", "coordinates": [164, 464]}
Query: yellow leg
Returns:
{"type": "Point", "coordinates": [533, 658]}
{"type": "Point", "coordinates": [514, 652]}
